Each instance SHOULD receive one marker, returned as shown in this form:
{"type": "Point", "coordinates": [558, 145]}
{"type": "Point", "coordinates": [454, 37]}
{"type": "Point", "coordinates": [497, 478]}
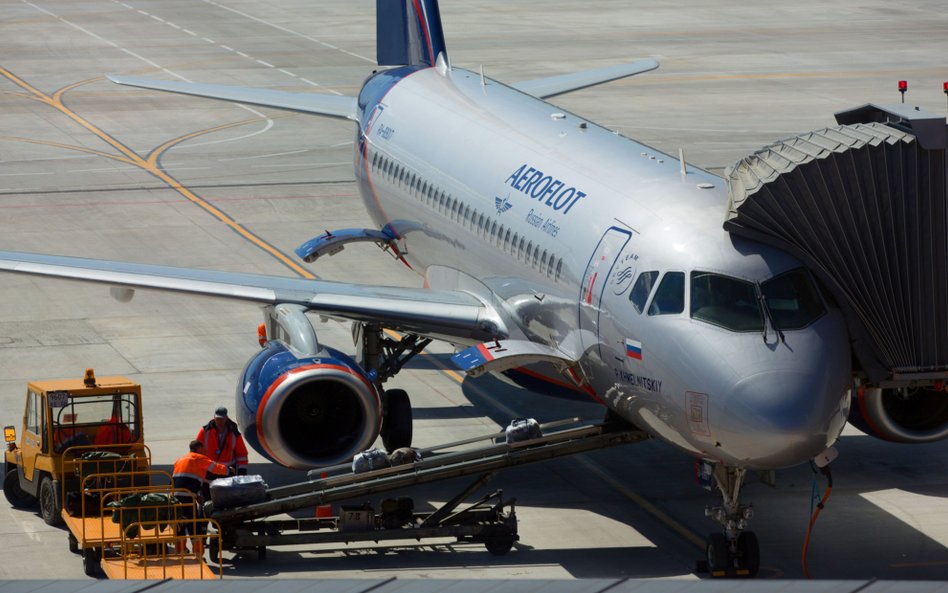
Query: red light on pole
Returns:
{"type": "Point", "coordinates": [903, 86]}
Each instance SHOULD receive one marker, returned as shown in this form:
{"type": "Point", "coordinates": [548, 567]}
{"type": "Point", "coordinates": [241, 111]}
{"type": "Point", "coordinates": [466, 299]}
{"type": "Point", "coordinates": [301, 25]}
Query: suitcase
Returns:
{"type": "Point", "coordinates": [238, 491]}
{"type": "Point", "coordinates": [369, 460]}
{"type": "Point", "coordinates": [522, 429]}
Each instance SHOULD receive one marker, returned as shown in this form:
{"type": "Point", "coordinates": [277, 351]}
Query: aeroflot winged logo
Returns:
{"type": "Point", "coordinates": [545, 189]}
{"type": "Point", "coordinates": [503, 204]}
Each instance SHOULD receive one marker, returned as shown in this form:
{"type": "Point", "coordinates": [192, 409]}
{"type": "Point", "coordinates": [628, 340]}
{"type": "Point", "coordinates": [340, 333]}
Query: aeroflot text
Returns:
{"type": "Point", "coordinates": [543, 188]}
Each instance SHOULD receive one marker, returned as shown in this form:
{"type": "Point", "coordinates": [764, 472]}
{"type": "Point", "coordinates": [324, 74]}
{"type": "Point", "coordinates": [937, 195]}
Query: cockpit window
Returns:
{"type": "Point", "coordinates": [792, 299]}
{"type": "Point", "coordinates": [641, 290]}
{"type": "Point", "coordinates": [725, 301]}
{"type": "Point", "coordinates": [669, 299]}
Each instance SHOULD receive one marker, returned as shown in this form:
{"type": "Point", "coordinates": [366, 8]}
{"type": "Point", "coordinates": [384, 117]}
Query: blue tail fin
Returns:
{"type": "Point", "coordinates": [408, 32]}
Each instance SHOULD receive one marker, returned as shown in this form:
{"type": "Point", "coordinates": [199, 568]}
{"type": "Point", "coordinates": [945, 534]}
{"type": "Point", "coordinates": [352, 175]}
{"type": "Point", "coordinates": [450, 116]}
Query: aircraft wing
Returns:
{"type": "Point", "coordinates": [543, 88]}
{"type": "Point", "coordinates": [451, 315]}
{"type": "Point", "coordinates": [330, 105]}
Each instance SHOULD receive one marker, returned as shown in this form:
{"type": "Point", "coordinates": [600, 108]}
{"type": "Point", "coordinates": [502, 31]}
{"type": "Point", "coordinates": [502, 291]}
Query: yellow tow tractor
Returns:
{"type": "Point", "coordinates": [82, 457]}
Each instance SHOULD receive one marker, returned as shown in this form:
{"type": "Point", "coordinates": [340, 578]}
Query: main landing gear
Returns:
{"type": "Point", "coordinates": [734, 553]}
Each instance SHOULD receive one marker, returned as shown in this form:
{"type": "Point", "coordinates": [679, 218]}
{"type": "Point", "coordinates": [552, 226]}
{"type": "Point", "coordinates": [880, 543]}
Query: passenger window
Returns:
{"type": "Point", "coordinates": [642, 288]}
{"type": "Point", "coordinates": [669, 299]}
{"type": "Point", "coordinates": [725, 301]}
{"type": "Point", "coordinates": [792, 299]}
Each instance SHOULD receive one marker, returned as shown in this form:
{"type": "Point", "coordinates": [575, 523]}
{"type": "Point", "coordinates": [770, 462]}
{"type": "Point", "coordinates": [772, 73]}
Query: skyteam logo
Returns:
{"type": "Point", "coordinates": [502, 204]}
{"type": "Point", "coordinates": [622, 273]}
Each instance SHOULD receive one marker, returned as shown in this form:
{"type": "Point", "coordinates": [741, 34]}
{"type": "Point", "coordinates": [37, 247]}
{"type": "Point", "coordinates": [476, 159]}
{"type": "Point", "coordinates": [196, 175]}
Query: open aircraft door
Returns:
{"type": "Point", "coordinates": [609, 268]}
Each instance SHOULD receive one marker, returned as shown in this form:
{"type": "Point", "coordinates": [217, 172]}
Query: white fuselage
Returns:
{"type": "Point", "coordinates": [553, 218]}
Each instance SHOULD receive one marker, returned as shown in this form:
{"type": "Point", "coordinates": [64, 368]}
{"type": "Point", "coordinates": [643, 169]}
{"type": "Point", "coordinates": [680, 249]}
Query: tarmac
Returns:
{"type": "Point", "coordinates": [92, 169]}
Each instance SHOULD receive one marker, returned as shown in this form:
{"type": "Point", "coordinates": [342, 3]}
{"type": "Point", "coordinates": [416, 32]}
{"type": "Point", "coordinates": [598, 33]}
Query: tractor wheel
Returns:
{"type": "Point", "coordinates": [50, 506]}
{"type": "Point", "coordinates": [17, 496]}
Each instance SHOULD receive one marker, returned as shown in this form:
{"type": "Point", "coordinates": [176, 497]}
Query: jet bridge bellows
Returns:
{"type": "Point", "coordinates": [863, 205]}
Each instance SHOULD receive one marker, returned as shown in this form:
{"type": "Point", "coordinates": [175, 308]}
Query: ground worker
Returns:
{"type": "Point", "coordinates": [190, 478]}
{"type": "Point", "coordinates": [223, 442]}
{"type": "Point", "coordinates": [114, 432]}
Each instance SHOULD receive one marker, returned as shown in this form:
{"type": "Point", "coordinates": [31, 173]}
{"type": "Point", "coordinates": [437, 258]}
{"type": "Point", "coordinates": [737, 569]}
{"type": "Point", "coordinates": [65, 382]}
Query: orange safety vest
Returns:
{"type": "Point", "coordinates": [190, 471]}
{"type": "Point", "coordinates": [227, 448]}
{"type": "Point", "coordinates": [113, 433]}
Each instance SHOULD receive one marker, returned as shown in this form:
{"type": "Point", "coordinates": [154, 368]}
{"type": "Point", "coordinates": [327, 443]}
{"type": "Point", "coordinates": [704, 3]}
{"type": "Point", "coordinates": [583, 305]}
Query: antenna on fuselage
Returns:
{"type": "Point", "coordinates": [483, 82]}
{"type": "Point", "coordinates": [681, 161]}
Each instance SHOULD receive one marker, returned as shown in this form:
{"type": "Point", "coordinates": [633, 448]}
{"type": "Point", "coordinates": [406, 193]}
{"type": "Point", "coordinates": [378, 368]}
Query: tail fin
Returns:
{"type": "Point", "coordinates": [408, 32]}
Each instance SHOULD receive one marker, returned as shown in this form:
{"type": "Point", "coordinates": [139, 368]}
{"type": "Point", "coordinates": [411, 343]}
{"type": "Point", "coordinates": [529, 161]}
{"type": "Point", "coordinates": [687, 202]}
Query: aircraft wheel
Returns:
{"type": "Point", "coordinates": [49, 502]}
{"type": "Point", "coordinates": [748, 551]}
{"type": "Point", "coordinates": [17, 496]}
{"type": "Point", "coordinates": [717, 551]}
{"type": "Point", "coordinates": [499, 546]}
{"type": "Point", "coordinates": [397, 425]}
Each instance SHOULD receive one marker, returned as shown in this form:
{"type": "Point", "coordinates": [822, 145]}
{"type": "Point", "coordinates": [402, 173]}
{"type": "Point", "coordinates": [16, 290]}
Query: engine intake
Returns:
{"type": "Point", "coordinates": [903, 415]}
{"type": "Point", "coordinates": [307, 412]}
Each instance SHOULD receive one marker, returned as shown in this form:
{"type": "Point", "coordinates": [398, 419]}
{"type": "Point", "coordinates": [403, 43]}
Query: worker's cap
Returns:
{"type": "Point", "coordinates": [220, 412]}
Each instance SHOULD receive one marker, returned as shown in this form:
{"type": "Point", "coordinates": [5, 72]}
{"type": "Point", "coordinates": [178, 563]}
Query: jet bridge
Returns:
{"type": "Point", "coordinates": [863, 205]}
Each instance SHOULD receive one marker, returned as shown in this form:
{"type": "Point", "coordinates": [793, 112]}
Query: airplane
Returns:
{"type": "Point", "coordinates": [554, 251]}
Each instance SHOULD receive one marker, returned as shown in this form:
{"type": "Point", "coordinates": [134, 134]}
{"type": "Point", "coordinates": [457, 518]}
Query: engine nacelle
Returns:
{"type": "Point", "coordinates": [307, 412]}
{"type": "Point", "coordinates": [903, 415]}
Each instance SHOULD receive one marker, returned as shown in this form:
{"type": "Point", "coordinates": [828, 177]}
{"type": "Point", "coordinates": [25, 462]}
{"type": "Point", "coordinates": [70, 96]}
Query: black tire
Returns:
{"type": "Point", "coordinates": [718, 553]}
{"type": "Point", "coordinates": [214, 550]}
{"type": "Point", "coordinates": [91, 559]}
{"type": "Point", "coordinates": [748, 551]}
{"type": "Point", "coordinates": [73, 544]}
{"type": "Point", "coordinates": [397, 425]}
{"type": "Point", "coordinates": [50, 506]}
{"type": "Point", "coordinates": [499, 546]}
{"type": "Point", "coordinates": [17, 496]}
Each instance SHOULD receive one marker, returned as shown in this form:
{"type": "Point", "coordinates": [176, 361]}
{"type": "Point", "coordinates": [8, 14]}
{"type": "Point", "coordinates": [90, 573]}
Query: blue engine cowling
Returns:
{"type": "Point", "coordinates": [903, 415]}
{"type": "Point", "coordinates": [308, 412]}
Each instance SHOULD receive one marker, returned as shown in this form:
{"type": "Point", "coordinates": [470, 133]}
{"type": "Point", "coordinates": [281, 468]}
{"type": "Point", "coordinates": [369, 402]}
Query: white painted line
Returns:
{"type": "Point", "coordinates": [170, 24]}
{"type": "Point", "coordinates": [287, 72]}
{"type": "Point", "coordinates": [265, 64]}
{"type": "Point", "coordinates": [290, 31]}
{"type": "Point", "coordinates": [227, 48]}
{"type": "Point", "coordinates": [262, 156]}
{"type": "Point", "coordinates": [157, 18]}
{"type": "Point", "coordinates": [208, 40]}
{"type": "Point", "coordinates": [189, 32]}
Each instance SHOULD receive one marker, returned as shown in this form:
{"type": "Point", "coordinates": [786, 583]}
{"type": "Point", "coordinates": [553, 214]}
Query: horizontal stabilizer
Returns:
{"type": "Point", "coordinates": [328, 105]}
{"type": "Point", "coordinates": [543, 88]}
{"type": "Point", "coordinates": [493, 357]}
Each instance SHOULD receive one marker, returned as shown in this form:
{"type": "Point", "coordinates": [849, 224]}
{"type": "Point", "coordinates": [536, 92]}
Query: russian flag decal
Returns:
{"type": "Point", "coordinates": [633, 349]}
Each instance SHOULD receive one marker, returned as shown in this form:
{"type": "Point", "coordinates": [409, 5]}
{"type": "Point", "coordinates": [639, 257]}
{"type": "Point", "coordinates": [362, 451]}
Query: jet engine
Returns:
{"type": "Point", "coordinates": [305, 412]}
{"type": "Point", "coordinates": [903, 415]}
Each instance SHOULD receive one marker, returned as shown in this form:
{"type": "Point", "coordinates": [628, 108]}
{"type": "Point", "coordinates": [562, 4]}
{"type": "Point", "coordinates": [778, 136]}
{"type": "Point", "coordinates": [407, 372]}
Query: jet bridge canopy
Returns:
{"type": "Point", "coordinates": [863, 205]}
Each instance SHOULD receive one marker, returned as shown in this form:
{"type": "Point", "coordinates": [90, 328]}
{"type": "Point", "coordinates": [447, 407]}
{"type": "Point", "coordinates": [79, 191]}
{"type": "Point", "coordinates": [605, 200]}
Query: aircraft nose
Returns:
{"type": "Point", "coordinates": [785, 417]}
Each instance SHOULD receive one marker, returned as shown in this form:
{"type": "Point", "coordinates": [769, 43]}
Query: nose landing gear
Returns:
{"type": "Point", "coordinates": [734, 553]}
